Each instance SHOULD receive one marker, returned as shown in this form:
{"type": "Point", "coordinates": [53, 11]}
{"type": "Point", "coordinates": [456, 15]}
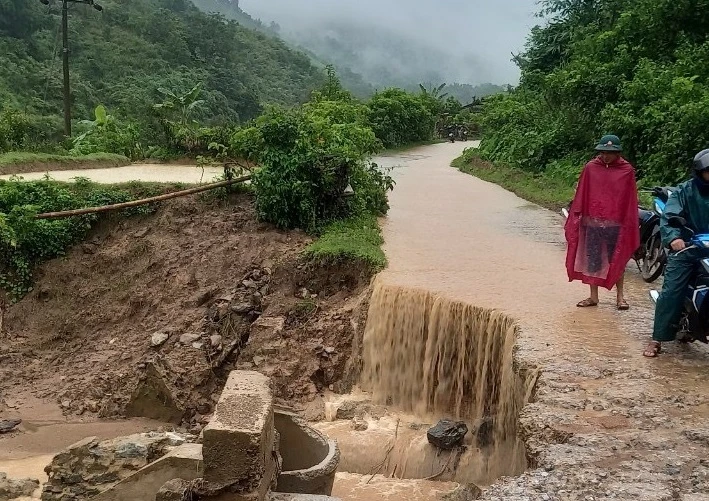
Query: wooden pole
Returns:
{"type": "Point", "coordinates": [144, 201]}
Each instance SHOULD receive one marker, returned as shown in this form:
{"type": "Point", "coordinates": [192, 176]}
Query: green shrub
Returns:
{"type": "Point", "coordinates": [308, 159]}
{"type": "Point", "coordinates": [398, 117]}
{"type": "Point", "coordinates": [26, 241]}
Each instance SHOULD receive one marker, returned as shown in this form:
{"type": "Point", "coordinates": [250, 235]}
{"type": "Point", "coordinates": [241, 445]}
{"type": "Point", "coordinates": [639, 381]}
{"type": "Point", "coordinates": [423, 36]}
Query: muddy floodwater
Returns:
{"type": "Point", "coordinates": [153, 173]}
{"type": "Point", "coordinates": [474, 319]}
{"type": "Point", "coordinates": [604, 423]}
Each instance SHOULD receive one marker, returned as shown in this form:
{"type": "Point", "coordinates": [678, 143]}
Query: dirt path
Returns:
{"type": "Point", "coordinates": [157, 173]}
{"type": "Point", "coordinates": [607, 423]}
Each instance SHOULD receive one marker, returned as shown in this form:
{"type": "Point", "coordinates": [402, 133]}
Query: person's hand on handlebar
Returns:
{"type": "Point", "coordinates": [678, 245]}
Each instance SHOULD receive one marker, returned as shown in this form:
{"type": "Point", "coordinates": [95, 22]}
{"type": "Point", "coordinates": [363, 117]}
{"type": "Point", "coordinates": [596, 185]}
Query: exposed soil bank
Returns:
{"type": "Point", "coordinates": [158, 303]}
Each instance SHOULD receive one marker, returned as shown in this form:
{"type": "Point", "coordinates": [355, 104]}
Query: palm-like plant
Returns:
{"type": "Point", "coordinates": [184, 105]}
{"type": "Point", "coordinates": [434, 92]}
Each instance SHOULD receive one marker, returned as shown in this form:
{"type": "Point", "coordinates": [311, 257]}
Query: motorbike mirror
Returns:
{"type": "Point", "coordinates": [677, 222]}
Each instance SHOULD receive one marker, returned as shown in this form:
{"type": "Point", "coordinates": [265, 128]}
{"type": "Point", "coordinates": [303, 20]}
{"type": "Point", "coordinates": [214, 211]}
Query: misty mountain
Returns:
{"type": "Point", "coordinates": [404, 42]}
{"type": "Point", "coordinates": [369, 57]}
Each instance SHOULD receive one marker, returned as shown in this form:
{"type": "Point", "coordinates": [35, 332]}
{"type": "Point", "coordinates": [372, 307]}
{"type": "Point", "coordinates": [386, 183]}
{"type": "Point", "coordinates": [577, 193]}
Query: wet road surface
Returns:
{"type": "Point", "coordinates": [470, 240]}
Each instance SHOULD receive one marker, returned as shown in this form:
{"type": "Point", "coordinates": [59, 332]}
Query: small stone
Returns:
{"type": "Point", "coordinates": [66, 404]}
{"type": "Point", "coordinates": [359, 424]}
{"type": "Point", "coordinates": [158, 339]}
{"type": "Point", "coordinates": [330, 350]}
{"type": "Point", "coordinates": [241, 308]}
{"type": "Point", "coordinates": [175, 439]}
{"type": "Point", "coordinates": [91, 405]}
{"type": "Point", "coordinates": [189, 338]}
{"type": "Point", "coordinates": [249, 284]}
{"type": "Point", "coordinates": [258, 360]}
{"type": "Point", "coordinates": [215, 340]}
{"type": "Point", "coordinates": [9, 425]}
{"type": "Point", "coordinates": [347, 409]}
{"type": "Point", "coordinates": [198, 345]}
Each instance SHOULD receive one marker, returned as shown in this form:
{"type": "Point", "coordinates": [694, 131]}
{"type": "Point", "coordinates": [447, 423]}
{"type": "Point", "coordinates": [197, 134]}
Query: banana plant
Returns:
{"type": "Point", "coordinates": [101, 119]}
{"type": "Point", "coordinates": [184, 105]}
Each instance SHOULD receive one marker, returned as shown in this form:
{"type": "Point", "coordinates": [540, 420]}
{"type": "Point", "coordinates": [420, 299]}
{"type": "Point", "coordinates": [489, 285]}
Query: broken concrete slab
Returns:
{"type": "Point", "coordinates": [89, 467]}
{"type": "Point", "coordinates": [184, 462]}
{"type": "Point", "coordinates": [238, 442]}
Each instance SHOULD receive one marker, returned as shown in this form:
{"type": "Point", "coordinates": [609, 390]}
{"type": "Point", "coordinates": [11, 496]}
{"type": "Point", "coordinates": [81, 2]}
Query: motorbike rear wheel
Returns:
{"type": "Point", "coordinates": [654, 259]}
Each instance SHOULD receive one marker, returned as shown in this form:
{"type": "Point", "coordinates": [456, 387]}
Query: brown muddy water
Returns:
{"type": "Point", "coordinates": [474, 319]}
{"type": "Point", "coordinates": [476, 302]}
{"type": "Point", "coordinates": [154, 173]}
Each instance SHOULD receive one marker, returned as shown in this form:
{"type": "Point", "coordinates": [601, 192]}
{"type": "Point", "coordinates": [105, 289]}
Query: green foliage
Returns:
{"type": "Point", "coordinates": [308, 158]}
{"type": "Point", "coordinates": [398, 117]}
{"type": "Point", "coordinates": [356, 239]}
{"type": "Point", "coordinates": [106, 134]}
{"type": "Point", "coordinates": [19, 130]}
{"type": "Point", "coordinates": [26, 241]}
{"type": "Point", "coordinates": [636, 69]}
{"type": "Point", "coordinates": [164, 44]}
{"type": "Point", "coordinates": [14, 158]}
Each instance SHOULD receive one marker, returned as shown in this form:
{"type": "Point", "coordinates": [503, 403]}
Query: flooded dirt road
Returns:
{"type": "Point", "coordinates": [606, 423]}
{"type": "Point", "coordinates": [154, 173]}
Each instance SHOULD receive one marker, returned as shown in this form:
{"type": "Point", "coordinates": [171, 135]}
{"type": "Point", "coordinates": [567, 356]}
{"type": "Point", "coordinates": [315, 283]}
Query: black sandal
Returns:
{"type": "Point", "coordinates": [653, 350]}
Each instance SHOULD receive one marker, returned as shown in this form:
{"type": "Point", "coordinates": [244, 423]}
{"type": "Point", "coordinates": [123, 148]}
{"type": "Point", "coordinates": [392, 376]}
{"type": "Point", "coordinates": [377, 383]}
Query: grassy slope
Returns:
{"type": "Point", "coordinates": [358, 239]}
{"type": "Point", "coordinates": [540, 189]}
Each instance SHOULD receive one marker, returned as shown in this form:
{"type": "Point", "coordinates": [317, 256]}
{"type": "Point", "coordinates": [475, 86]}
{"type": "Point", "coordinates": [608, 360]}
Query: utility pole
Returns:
{"type": "Point", "coordinates": [65, 56]}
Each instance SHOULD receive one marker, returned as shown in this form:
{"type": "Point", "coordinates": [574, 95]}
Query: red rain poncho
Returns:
{"type": "Point", "coordinates": [602, 229]}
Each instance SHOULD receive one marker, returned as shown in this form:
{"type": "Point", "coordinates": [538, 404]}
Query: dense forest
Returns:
{"type": "Point", "coordinates": [635, 68]}
{"type": "Point", "coordinates": [121, 56]}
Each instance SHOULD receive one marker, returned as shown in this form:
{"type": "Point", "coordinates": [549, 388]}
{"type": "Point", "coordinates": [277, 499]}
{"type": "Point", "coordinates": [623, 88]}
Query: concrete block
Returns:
{"type": "Point", "coordinates": [238, 442]}
{"type": "Point", "coordinates": [183, 462]}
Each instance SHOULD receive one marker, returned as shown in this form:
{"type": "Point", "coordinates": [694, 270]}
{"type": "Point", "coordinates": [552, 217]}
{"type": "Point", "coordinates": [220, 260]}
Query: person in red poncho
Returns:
{"type": "Point", "coordinates": [602, 228]}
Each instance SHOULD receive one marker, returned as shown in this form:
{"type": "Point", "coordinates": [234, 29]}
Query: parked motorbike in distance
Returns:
{"type": "Point", "coordinates": [651, 256]}
{"type": "Point", "coordinates": [694, 324]}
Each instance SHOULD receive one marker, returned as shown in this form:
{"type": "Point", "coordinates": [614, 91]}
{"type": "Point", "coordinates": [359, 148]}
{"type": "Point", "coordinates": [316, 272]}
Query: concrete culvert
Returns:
{"type": "Point", "coordinates": [310, 459]}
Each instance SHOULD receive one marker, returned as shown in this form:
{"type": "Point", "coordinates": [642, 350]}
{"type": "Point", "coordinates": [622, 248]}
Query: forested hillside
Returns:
{"type": "Point", "coordinates": [121, 56]}
{"type": "Point", "coordinates": [636, 68]}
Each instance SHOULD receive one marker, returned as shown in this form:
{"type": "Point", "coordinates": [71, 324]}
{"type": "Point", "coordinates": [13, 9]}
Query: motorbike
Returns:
{"type": "Point", "coordinates": [694, 324]}
{"type": "Point", "coordinates": [451, 137]}
{"type": "Point", "coordinates": [651, 256]}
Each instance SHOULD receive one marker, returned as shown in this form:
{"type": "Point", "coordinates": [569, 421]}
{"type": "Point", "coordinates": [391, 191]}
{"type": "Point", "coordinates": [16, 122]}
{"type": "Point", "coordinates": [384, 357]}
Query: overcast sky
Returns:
{"type": "Point", "coordinates": [486, 31]}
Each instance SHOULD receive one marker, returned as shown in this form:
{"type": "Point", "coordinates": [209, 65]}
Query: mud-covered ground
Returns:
{"type": "Point", "coordinates": [165, 303]}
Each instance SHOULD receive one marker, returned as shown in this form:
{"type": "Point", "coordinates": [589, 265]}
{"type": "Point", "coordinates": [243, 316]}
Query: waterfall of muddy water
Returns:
{"type": "Point", "coordinates": [439, 358]}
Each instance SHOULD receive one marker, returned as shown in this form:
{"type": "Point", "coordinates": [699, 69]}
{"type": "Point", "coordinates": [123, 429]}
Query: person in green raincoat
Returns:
{"type": "Point", "coordinates": [691, 202]}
